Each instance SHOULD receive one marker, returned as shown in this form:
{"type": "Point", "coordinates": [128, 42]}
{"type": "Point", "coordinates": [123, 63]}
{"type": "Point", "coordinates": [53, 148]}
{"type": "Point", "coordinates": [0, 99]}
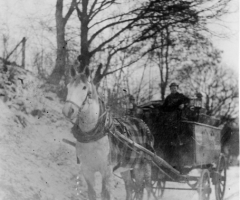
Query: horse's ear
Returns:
{"type": "Point", "coordinates": [79, 58]}
{"type": "Point", "coordinates": [73, 72]}
{"type": "Point", "coordinates": [87, 72]}
{"type": "Point", "coordinates": [80, 67]}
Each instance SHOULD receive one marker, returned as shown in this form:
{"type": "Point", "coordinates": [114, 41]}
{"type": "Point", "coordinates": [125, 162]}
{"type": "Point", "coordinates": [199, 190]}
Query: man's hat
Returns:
{"type": "Point", "coordinates": [173, 84]}
{"type": "Point", "coordinates": [199, 95]}
{"type": "Point", "coordinates": [131, 97]}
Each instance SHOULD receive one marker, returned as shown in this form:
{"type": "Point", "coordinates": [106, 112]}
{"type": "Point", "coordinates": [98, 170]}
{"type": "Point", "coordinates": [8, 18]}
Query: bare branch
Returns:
{"type": "Point", "coordinates": [111, 38]}
{"type": "Point", "coordinates": [129, 64]}
{"type": "Point", "coordinates": [92, 8]}
{"type": "Point", "coordinates": [70, 11]}
{"type": "Point", "coordinates": [109, 18]}
{"type": "Point", "coordinates": [132, 20]}
{"type": "Point", "coordinates": [104, 5]}
{"type": "Point", "coordinates": [79, 13]}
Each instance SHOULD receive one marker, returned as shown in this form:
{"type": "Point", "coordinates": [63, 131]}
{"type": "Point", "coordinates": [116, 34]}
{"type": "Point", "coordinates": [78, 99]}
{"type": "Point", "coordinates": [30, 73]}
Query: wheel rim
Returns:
{"type": "Point", "coordinates": [134, 196]}
{"type": "Point", "coordinates": [136, 191]}
{"type": "Point", "coordinates": [221, 174]}
{"type": "Point", "coordinates": [204, 185]}
{"type": "Point", "coordinates": [158, 188]}
{"type": "Point", "coordinates": [133, 189]}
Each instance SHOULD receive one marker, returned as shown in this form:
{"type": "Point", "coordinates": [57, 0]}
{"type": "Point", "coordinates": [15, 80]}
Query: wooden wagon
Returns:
{"type": "Point", "coordinates": [182, 147]}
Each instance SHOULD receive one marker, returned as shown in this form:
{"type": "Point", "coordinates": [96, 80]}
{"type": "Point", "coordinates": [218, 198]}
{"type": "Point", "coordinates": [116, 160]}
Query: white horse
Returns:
{"type": "Point", "coordinates": [97, 148]}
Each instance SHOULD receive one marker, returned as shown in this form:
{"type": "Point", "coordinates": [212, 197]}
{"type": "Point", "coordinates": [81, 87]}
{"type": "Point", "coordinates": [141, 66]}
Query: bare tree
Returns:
{"type": "Point", "coordinates": [161, 57]}
{"type": "Point", "coordinates": [174, 28]}
{"type": "Point", "coordinates": [217, 84]}
{"type": "Point", "coordinates": [110, 27]}
{"type": "Point", "coordinates": [145, 21]}
{"type": "Point", "coordinates": [179, 15]}
{"type": "Point", "coordinates": [61, 22]}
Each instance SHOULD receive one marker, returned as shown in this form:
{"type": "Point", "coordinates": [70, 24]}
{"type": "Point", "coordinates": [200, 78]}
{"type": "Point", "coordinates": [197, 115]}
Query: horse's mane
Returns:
{"type": "Point", "coordinates": [82, 77]}
{"type": "Point", "coordinates": [94, 91]}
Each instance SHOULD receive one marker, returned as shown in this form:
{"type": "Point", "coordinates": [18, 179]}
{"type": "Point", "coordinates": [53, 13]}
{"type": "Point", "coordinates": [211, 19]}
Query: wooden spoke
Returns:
{"type": "Point", "coordinates": [220, 179]}
{"type": "Point", "coordinates": [158, 188]}
{"type": "Point", "coordinates": [204, 188]}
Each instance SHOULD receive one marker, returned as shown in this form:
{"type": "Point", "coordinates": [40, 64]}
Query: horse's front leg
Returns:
{"type": "Point", "coordinates": [139, 182]}
{"type": "Point", "coordinates": [90, 180]}
{"type": "Point", "coordinates": [107, 182]}
{"type": "Point", "coordinates": [148, 178]}
{"type": "Point", "coordinates": [128, 184]}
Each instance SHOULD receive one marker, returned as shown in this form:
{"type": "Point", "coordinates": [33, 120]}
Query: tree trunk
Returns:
{"type": "Point", "coordinates": [84, 35]}
{"type": "Point", "coordinates": [59, 68]}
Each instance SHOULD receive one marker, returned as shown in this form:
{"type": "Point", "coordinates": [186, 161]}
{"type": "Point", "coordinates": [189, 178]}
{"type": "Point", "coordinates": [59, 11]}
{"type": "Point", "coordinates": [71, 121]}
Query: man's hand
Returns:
{"type": "Point", "coordinates": [192, 108]}
{"type": "Point", "coordinates": [181, 106]}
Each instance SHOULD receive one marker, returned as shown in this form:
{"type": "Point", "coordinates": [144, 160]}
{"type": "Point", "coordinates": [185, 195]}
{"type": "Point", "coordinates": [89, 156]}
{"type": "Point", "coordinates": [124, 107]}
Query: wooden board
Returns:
{"type": "Point", "coordinates": [207, 143]}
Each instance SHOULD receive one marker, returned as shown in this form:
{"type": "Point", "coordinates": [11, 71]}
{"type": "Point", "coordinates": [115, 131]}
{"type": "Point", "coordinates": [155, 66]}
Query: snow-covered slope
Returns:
{"type": "Point", "coordinates": [34, 162]}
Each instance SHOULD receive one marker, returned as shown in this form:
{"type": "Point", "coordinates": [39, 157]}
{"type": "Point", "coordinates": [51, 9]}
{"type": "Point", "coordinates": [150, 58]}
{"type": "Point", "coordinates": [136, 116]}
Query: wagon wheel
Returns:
{"type": "Point", "coordinates": [221, 174]}
{"type": "Point", "coordinates": [204, 188]}
{"type": "Point", "coordinates": [135, 189]}
{"type": "Point", "coordinates": [158, 187]}
{"type": "Point", "coordinates": [136, 192]}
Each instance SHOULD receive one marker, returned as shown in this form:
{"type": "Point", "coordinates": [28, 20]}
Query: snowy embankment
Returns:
{"type": "Point", "coordinates": [34, 162]}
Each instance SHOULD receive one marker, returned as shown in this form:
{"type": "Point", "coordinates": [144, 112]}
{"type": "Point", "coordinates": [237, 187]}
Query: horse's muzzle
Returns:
{"type": "Point", "coordinates": [68, 110]}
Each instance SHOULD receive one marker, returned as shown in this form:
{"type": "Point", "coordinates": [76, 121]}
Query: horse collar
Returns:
{"type": "Point", "coordinates": [100, 130]}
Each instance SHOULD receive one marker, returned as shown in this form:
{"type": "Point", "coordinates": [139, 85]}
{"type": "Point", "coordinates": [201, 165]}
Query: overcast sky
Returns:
{"type": "Point", "coordinates": [18, 17]}
{"type": "Point", "coordinates": [230, 44]}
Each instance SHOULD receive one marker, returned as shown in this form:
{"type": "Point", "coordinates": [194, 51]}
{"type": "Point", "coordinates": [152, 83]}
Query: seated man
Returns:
{"type": "Point", "coordinates": [175, 101]}
{"type": "Point", "coordinates": [173, 107]}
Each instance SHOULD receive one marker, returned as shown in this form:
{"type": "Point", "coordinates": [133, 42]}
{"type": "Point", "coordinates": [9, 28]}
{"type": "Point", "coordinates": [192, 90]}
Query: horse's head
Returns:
{"type": "Point", "coordinates": [80, 91]}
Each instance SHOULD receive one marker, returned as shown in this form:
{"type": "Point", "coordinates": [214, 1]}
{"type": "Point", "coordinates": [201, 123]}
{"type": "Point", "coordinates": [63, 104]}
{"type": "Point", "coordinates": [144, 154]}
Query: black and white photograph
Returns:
{"type": "Point", "coordinates": [119, 100]}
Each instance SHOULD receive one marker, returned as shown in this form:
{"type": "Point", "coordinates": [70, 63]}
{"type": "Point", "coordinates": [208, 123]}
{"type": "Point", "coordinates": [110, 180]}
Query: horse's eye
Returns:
{"type": "Point", "coordinates": [84, 87]}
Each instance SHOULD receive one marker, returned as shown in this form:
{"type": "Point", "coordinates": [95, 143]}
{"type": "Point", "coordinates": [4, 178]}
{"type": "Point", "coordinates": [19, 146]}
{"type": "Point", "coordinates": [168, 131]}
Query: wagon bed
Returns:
{"type": "Point", "coordinates": [197, 146]}
{"type": "Point", "coordinates": [214, 171]}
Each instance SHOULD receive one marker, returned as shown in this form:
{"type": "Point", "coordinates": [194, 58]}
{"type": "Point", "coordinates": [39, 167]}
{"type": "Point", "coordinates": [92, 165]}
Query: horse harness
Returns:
{"type": "Point", "coordinates": [89, 95]}
{"type": "Point", "coordinates": [132, 128]}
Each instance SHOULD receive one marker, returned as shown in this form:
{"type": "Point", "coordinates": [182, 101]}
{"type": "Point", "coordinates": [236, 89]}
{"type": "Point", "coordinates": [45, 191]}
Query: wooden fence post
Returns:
{"type": "Point", "coordinates": [23, 51]}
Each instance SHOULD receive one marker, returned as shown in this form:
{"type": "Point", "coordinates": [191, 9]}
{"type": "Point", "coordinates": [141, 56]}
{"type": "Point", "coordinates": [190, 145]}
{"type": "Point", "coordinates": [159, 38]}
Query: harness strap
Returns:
{"type": "Point", "coordinates": [100, 130]}
{"type": "Point", "coordinates": [83, 104]}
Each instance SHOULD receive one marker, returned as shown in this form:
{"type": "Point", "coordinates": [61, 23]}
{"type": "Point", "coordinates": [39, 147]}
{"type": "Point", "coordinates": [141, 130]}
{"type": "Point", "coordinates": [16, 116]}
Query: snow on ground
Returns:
{"type": "Point", "coordinates": [231, 193]}
{"type": "Point", "coordinates": [34, 162]}
{"type": "Point", "coordinates": [232, 188]}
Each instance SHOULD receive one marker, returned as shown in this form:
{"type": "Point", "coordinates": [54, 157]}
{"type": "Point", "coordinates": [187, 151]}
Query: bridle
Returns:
{"type": "Point", "coordinates": [103, 114]}
{"type": "Point", "coordinates": [88, 96]}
